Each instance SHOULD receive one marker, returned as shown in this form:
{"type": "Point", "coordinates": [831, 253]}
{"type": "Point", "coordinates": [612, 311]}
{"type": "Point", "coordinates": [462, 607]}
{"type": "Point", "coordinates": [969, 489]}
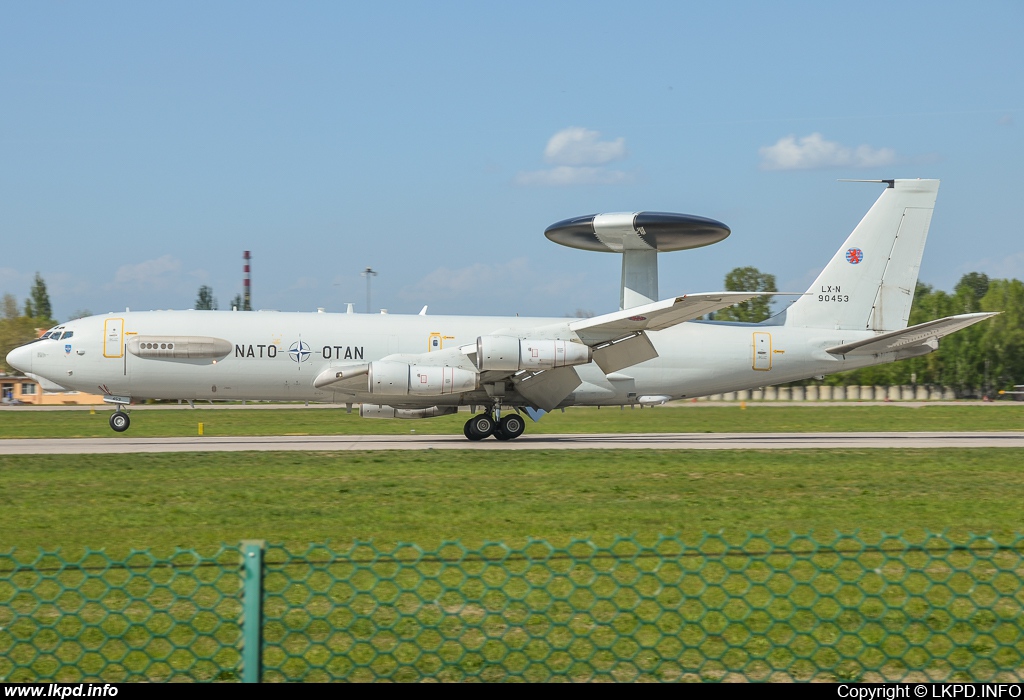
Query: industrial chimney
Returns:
{"type": "Point", "coordinates": [247, 290]}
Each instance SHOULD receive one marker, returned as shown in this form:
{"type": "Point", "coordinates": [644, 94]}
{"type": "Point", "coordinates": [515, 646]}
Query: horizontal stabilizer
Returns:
{"type": "Point", "coordinates": [922, 334]}
{"type": "Point", "coordinates": [657, 315]}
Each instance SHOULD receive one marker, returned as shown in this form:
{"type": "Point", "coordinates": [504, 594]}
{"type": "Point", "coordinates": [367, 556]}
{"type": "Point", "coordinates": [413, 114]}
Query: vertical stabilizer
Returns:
{"type": "Point", "coordinates": [869, 283]}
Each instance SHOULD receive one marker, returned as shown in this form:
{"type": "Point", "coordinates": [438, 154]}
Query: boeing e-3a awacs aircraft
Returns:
{"type": "Point", "coordinates": [648, 352]}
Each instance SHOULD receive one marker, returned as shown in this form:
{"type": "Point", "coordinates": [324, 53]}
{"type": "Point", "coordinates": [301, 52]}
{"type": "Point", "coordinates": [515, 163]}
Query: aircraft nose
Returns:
{"type": "Point", "coordinates": [20, 358]}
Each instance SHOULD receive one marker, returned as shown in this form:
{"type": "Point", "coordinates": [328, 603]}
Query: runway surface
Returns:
{"type": "Point", "coordinates": [602, 441]}
{"type": "Point", "coordinates": [684, 404]}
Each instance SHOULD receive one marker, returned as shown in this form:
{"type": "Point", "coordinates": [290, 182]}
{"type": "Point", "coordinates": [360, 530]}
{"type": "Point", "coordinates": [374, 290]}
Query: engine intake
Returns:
{"type": "Point", "coordinates": [399, 379]}
{"type": "Point", "coordinates": [508, 354]}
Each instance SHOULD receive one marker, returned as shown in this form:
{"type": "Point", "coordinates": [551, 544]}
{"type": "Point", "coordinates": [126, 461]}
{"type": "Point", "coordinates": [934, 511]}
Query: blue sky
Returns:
{"type": "Point", "coordinates": [144, 146]}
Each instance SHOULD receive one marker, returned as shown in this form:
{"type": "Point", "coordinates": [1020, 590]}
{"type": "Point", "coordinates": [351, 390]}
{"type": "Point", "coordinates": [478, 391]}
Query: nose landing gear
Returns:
{"type": "Point", "coordinates": [119, 421]}
{"type": "Point", "coordinates": [509, 427]}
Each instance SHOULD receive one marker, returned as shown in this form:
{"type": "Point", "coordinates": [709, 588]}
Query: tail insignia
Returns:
{"type": "Point", "coordinates": [854, 255]}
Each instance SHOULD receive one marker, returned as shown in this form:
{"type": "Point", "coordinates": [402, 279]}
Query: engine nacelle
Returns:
{"type": "Point", "coordinates": [507, 354]}
{"type": "Point", "coordinates": [372, 411]}
{"type": "Point", "coordinates": [400, 379]}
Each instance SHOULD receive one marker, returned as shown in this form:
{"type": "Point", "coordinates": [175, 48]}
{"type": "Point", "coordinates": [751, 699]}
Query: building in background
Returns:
{"type": "Point", "coordinates": [16, 390]}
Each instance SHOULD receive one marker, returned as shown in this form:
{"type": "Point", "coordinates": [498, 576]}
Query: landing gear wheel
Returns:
{"type": "Point", "coordinates": [510, 427]}
{"type": "Point", "coordinates": [119, 421]}
{"type": "Point", "coordinates": [479, 427]}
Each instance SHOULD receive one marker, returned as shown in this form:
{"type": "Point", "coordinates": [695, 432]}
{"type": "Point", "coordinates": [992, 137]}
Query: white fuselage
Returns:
{"type": "Point", "coordinates": [856, 314]}
{"type": "Point", "coordinates": [277, 355]}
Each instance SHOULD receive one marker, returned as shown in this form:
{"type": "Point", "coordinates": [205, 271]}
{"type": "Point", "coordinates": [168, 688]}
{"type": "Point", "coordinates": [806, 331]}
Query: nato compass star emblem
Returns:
{"type": "Point", "coordinates": [299, 351]}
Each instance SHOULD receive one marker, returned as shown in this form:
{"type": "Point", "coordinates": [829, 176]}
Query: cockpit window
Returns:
{"type": "Point", "coordinates": [67, 334]}
{"type": "Point", "coordinates": [54, 334]}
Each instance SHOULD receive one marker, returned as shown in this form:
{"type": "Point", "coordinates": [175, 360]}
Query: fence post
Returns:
{"type": "Point", "coordinates": [252, 622]}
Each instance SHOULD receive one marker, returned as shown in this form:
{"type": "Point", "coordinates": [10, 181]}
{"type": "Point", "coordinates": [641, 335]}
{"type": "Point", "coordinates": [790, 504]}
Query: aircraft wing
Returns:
{"type": "Point", "coordinates": [656, 316]}
{"type": "Point", "coordinates": [620, 339]}
{"type": "Point", "coordinates": [923, 334]}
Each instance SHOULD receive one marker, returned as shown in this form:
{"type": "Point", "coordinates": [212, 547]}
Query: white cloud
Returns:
{"type": "Point", "coordinates": [304, 282]}
{"type": "Point", "coordinates": [814, 152]}
{"type": "Point", "coordinates": [15, 282]}
{"type": "Point", "coordinates": [578, 146]}
{"type": "Point", "coordinates": [578, 157]}
{"type": "Point", "coordinates": [150, 273]}
{"type": "Point", "coordinates": [570, 175]}
{"type": "Point", "coordinates": [447, 283]}
{"type": "Point", "coordinates": [1007, 267]}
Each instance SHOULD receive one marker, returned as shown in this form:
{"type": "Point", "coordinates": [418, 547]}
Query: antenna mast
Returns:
{"type": "Point", "coordinates": [368, 273]}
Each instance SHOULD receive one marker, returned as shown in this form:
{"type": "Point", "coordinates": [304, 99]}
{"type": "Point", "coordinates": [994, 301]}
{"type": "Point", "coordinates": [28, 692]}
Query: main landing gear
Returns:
{"type": "Point", "coordinates": [509, 427]}
{"type": "Point", "coordinates": [119, 421]}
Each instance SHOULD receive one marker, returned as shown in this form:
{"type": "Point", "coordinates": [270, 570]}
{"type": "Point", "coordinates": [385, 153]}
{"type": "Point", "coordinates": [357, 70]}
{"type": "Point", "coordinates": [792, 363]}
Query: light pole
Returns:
{"type": "Point", "coordinates": [368, 273]}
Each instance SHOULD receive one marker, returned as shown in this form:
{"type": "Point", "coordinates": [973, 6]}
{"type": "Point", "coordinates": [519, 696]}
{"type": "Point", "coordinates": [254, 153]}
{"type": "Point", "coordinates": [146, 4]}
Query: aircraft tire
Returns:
{"type": "Point", "coordinates": [119, 421]}
{"type": "Point", "coordinates": [511, 427]}
{"type": "Point", "coordinates": [479, 427]}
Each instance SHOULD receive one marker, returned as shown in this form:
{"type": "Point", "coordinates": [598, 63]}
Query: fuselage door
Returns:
{"type": "Point", "coordinates": [762, 351]}
{"type": "Point", "coordinates": [436, 342]}
{"type": "Point", "coordinates": [113, 337]}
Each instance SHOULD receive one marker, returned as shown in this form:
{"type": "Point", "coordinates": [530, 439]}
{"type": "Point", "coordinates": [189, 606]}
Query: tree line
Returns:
{"type": "Point", "coordinates": [205, 301]}
{"type": "Point", "coordinates": [984, 358]}
{"type": "Point", "coordinates": [18, 326]}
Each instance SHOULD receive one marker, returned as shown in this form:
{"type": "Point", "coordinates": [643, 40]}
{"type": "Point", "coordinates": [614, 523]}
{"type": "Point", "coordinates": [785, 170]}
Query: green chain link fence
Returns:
{"type": "Point", "coordinates": [933, 607]}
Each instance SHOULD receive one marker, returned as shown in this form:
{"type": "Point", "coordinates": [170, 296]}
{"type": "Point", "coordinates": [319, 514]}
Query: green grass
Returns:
{"type": "Point", "coordinates": [689, 418]}
{"type": "Point", "coordinates": [163, 501]}
{"type": "Point", "coordinates": [780, 616]}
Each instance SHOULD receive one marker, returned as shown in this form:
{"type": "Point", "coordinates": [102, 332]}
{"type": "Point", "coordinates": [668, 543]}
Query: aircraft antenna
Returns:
{"type": "Point", "coordinates": [368, 273]}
